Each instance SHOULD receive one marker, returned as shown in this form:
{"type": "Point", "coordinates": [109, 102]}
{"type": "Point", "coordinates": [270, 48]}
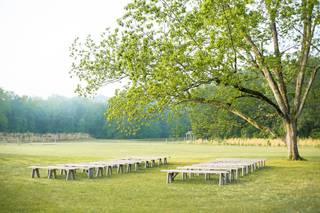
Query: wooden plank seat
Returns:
{"type": "Point", "coordinates": [146, 161]}
{"type": "Point", "coordinates": [91, 167]}
{"type": "Point", "coordinates": [171, 174]}
{"type": "Point", "coordinates": [150, 161]}
{"type": "Point", "coordinates": [70, 172]}
{"type": "Point", "coordinates": [233, 171]}
{"type": "Point", "coordinates": [250, 164]}
{"type": "Point", "coordinates": [85, 167]}
{"type": "Point", "coordinates": [247, 166]}
{"type": "Point", "coordinates": [256, 162]}
{"type": "Point", "coordinates": [120, 164]}
{"type": "Point", "coordinates": [260, 162]}
{"type": "Point", "coordinates": [243, 168]}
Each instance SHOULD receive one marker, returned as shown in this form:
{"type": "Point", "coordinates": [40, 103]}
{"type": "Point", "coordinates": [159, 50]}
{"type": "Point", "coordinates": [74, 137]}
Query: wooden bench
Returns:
{"type": "Point", "coordinates": [171, 174]}
{"type": "Point", "coordinates": [70, 171]}
{"type": "Point", "coordinates": [150, 161]}
{"type": "Point", "coordinates": [88, 167]}
{"type": "Point", "coordinates": [244, 168]}
{"type": "Point", "coordinates": [259, 162]}
{"type": "Point", "coordinates": [120, 164]}
{"type": "Point", "coordinates": [232, 170]}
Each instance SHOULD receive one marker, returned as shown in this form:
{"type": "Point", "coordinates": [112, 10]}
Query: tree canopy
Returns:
{"type": "Point", "coordinates": [223, 53]}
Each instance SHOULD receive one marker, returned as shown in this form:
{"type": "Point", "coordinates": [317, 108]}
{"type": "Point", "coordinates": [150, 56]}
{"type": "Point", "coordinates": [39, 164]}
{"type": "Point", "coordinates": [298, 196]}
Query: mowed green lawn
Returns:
{"type": "Point", "coordinates": [283, 186]}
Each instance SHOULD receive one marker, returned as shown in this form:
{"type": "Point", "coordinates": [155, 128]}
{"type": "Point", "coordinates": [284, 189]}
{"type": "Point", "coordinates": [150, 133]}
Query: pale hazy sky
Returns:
{"type": "Point", "coordinates": [35, 36]}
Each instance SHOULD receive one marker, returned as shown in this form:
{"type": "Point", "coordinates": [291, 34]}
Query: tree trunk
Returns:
{"type": "Point", "coordinates": [292, 140]}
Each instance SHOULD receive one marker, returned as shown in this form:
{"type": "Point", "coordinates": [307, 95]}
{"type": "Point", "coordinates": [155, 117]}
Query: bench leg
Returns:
{"type": "Point", "coordinates": [99, 172]}
{"type": "Point", "coordinates": [191, 175]}
{"type": "Point", "coordinates": [169, 177]}
{"type": "Point", "coordinates": [38, 173]}
{"type": "Point", "coordinates": [52, 173]}
{"type": "Point", "coordinates": [120, 168]}
{"type": "Point", "coordinates": [231, 175]}
{"type": "Point", "coordinates": [73, 174]}
{"type": "Point", "coordinates": [183, 175]}
{"type": "Point", "coordinates": [205, 177]}
{"type": "Point", "coordinates": [128, 168]}
{"type": "Point", "coordinates": [228, 178]}
{"type": "Point", "coordinates": [109, 170]}
{"type": "Point", "coordinates": [221, 179]}
{"type": "Point", "coordinates": [68, 175]}
{"type": "Point", "coordinates": [35, 172]}
{"type": "Point", "coordinates": [49, 173]}
{"type": "Point", "coordinates": [90, 172]}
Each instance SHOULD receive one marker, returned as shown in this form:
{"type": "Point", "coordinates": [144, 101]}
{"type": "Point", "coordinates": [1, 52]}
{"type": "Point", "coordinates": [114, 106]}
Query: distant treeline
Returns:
{"type": "Point", "coordinates": [58, 114]}
{"type": "Point", "coordinates": [68, 115]}
{"type": "Point", "coordinates": [48, 137]}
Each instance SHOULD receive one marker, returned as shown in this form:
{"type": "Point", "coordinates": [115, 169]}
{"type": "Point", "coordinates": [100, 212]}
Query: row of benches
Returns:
{"type": "Point", "coordinates": [228, 169]}
{"type": "Point", "coordinates": [100, 167]}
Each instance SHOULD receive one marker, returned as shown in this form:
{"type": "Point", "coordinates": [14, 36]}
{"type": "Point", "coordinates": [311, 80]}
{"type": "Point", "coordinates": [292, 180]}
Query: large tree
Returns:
{"type": "Point", "coordinates": [169, 51]}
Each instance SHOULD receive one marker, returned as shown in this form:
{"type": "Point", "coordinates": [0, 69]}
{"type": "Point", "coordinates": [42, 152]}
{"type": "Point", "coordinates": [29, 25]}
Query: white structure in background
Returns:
{"type": "Point", "coordinates": [190, 136]}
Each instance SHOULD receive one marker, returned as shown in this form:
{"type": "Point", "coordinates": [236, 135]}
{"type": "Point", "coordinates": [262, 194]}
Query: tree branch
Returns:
{"type": "Point", "coordinates": [231, 39]}
{"type": "Point", "coordinates": [305, 50]}
{"type": "Point", "coordinates": [252, 93]}
{"type": "Point", "coordinates": [228, 107]}
{"type": "Point", "coordinates": [307, 90]}
{"type": "Point", "coordinates": [260, 96]}
{"type": "Point", "coordinates": [268, 76]}
{"type": "Point", "coordinates": [278, 68]}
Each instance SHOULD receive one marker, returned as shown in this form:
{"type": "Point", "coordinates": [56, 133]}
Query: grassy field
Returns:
{"type": "Point", "coordinates": [283, 186]}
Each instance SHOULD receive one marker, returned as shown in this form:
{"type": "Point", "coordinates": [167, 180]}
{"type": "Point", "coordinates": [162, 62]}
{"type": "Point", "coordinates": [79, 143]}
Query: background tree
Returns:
{"type": "Point", "coordinates": [59, 114]}
{"type": "Point", "coordinates": [169, 50]}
